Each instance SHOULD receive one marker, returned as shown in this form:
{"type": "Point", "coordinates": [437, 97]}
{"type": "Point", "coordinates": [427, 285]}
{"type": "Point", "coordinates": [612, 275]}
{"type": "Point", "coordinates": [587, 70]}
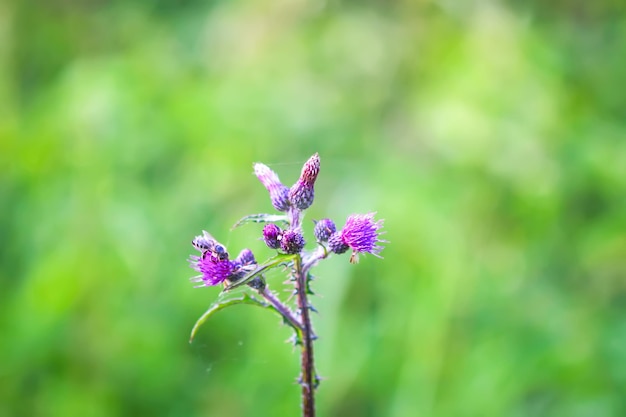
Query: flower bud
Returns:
{"type": "Point", "coordinates": [245, 257]}
{"type": "Point", "coordinates": [292, 242]}
{"type": "Point", "coordinates": [323, 229]}
{"type": "Point", "coordinates": [301, 194]}
{"type": "Point", "coordinates": [272, 235]}
{"type": "Point", "coordinates": [278, 192]}
{"type": "Point", "coordinates": [336, 245]}
{"type": "Point", "coordinates": [242, 265]}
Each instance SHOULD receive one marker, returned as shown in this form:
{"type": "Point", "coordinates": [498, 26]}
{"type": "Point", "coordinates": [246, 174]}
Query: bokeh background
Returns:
{"type": "Point", "coordinates": [489, 135]}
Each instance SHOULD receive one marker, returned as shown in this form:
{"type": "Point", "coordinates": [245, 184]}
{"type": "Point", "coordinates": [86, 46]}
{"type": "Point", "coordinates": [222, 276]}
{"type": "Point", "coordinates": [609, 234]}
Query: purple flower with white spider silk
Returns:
{"type": "Point", "coordinates": [213, 269]}
{"type": "Point", "coordinates": [272, 235]}
{"type": "Point", "coordinates": [361, 234]}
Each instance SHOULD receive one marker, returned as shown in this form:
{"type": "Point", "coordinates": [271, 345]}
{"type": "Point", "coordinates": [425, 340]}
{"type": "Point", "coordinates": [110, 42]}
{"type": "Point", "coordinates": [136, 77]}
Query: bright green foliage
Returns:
{"type": "Point", "coordinates": [489, 135]}
{"type": "Point", "coordinates": [227, 302]}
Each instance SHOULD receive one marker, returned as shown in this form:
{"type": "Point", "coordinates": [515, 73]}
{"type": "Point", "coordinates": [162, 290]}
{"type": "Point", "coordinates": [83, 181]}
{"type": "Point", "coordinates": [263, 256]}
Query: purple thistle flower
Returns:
{"type": "Point", "coordinates": [292, 242]}
{"type": "Point", "coordinates": [301, 194]}
{"type": "Point", "coordinates": [213, 269]}
{"type": "Point", "coordinates": [361, 234]}
{"type": "Point", "coordinates": [278, 191]}
{"type": "Point", "coordinates": [323, 229]}
{"type": "Point", "coordinates": [272, 235]}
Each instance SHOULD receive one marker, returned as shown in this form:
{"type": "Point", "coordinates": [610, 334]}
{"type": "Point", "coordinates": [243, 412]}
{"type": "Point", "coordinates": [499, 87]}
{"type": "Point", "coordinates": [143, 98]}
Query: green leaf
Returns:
{"type": "Point", "coordinates": [270, 263]}
{"type": "Point", "coordinates": [220, 305]}
{"type": "Point", "coordinates": [260, 218]}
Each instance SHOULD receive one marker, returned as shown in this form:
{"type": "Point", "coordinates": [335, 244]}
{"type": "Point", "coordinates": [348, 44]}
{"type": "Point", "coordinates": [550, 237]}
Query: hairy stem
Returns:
{"type": "Point", "coordinates": [308, 379]}
{"type": "Point", "coordinates": [320, 253]}
{"type": "Point", "coordinates": [294, 217]}
{"type": "Point", "coordinates": [281, 308]}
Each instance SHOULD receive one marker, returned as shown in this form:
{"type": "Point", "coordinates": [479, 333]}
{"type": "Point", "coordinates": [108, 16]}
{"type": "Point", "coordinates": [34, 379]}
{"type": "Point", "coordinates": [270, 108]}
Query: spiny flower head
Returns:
{"type": "Point", "coordinates": [336, 245]}
{"type": "Point", "coordinates": [324, 229]}
{"type": "Point", "coordinates": [302, 193]}
{"type": "Point", "coordinates": [292, 241]}
{"type": "Point", "coordinates": [245, 257]}
{"type": "Point", "coordinates": [272, 235]}
{"type": "Point", "coordinates": [361, 234]}
{"type": "Point", "coordinates": [278, 192]}
{"type": "Point", "coordinates": [213, 269]}
{"type": "Point", "coordinates": [213, 263]}
{"type": "Point", "coordinates": [242, 265]}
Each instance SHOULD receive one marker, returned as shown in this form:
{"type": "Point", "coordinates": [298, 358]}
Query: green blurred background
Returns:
{"type": "Point", "coordinates": [489, 136]}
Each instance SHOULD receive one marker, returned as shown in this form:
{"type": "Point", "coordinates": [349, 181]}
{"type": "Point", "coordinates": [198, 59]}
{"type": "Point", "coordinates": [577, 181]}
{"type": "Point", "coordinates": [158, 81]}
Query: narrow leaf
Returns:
{"type": "Point", "coordinates": [220, 305]}
{"type": "Point", "coordinates": [270, 263]}
{"type": "Point", "coordinates": [260, 218]}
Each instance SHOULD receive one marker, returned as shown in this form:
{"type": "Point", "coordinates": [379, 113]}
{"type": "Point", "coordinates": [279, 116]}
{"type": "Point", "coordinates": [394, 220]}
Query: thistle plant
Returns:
{"type": "Point", "coordinates": [283, 233]}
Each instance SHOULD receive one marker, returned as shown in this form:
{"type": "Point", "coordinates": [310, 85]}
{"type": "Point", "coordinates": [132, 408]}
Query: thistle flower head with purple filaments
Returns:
{"type": "Point", "coordinates": [361, 234]}
{"type": "Point", "coordinates": [213, 270]}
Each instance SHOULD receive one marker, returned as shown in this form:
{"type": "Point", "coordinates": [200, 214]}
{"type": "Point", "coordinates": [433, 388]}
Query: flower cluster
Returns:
{"type": "Point", "coordinates": [215, 270]}
{"type": "Point", "coordinates": [361, 232]}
